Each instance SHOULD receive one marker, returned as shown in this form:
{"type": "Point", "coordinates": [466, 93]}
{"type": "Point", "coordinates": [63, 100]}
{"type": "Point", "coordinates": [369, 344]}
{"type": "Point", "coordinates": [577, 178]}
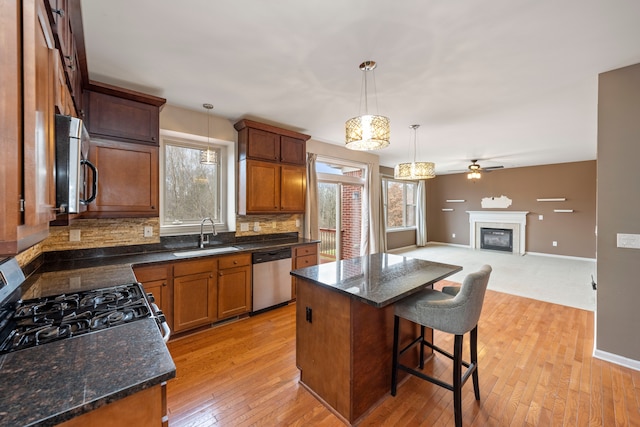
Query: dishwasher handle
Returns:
{"type": "Point", "coordinates": [266, 256]}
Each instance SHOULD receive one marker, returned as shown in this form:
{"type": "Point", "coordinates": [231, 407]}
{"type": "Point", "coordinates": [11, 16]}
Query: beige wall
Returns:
{"type": "Point", "coordinates": [574, 232]}
{"type": "Point", "coordinates": [618, 317]}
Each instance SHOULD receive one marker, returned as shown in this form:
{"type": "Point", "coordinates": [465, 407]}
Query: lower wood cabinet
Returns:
{"type": "Point", "coordinates": [234, 285]}
{"type": "Point", "coordinates": [194, 294]}
{"type": "Point", "coordinates": [158, 280]}
{"type": "Point", "coordinates": [303, 256]}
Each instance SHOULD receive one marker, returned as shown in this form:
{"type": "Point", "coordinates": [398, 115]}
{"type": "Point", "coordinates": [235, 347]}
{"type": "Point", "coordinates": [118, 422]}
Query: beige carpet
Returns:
{"type": "Point", "coordinates": [565, 281]}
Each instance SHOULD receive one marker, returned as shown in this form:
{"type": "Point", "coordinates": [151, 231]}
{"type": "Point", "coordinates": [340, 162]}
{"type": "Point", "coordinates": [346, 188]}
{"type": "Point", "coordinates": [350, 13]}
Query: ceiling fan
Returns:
{"type": "Point", "coordinates": [475, 169]}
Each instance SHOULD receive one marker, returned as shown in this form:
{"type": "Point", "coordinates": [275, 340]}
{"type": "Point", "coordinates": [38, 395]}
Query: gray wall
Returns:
{"type": "Point", "coordinates": [618, 317]}
{"type": "Point", "coordinates": [574, 232]}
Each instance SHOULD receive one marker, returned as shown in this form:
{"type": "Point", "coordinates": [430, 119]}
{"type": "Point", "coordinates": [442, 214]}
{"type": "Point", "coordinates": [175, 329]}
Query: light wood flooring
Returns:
{"type": "Point", "coordinates": [535, 369]}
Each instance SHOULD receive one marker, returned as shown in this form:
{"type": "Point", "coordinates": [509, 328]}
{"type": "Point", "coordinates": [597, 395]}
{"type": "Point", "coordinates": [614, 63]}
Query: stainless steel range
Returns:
{"type": "Point", "coordinates": [28, 323]}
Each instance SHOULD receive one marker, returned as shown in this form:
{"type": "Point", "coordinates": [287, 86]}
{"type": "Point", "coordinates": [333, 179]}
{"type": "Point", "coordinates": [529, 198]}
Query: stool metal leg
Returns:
{"type": "Point", "coordinates": [422, 328]}
{"type": "Point", "coordinates": [474, 360]}
{"type": "Point", "coordinates": [457, 379]}
{"type": "Point", "coordinates": [394, 368]}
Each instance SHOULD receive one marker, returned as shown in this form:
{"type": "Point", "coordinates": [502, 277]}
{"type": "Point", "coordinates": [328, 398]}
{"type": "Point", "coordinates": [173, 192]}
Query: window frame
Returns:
{"type": "Point", "coordinates": [404, 227]}
{"type": "Point", "coordinates": [226, 181]}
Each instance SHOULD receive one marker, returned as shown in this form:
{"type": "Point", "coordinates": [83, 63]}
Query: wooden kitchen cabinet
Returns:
{"type": "Point", "coordinates": [266, 187]}
{"type": "Point", "coordinates": [234, 285]}
{"type": "Point", "coordinates": [113, 114]}
{"type": "Point", "coordinates": [127, 180]}
{"type": "Point", "coordinates": [194, 294]}
{"type": "Point", "coordinates": [158, 280]}
{"type": "Point", "coordinates": [27, 124]}
{"type": "Point", "coordinates": [259, 141]}
{"type": "Point", "coordinates": [303, 256]}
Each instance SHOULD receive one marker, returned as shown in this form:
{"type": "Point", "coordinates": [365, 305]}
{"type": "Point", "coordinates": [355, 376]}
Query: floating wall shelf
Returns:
{"type": "Point", "coordinates": [553, 199]}
{"type": "Point", "coordinates": [447, 210]}
{"type": "Point", "coordinates": [455, 200]}
{"type": "Point", "coordinates": [563, 210]}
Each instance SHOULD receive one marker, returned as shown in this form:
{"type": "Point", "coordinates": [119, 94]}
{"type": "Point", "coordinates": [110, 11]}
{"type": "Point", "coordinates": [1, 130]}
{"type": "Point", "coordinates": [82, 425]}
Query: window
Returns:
{"type": "Point", "coordinates": [400, 204]}
{"type": "Point", "coordinates": [191, 191]}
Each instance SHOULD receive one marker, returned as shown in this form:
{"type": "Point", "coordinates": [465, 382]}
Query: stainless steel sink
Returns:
{"type": "Point", "coordinates": [206, 251]}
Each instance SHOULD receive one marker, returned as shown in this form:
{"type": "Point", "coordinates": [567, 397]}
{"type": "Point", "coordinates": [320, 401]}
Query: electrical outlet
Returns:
{"type": "Point", "coordinates": [74, 235]}
{"type": "Point", "coordinates": [244, 226]}
{"type": "Point", "coordinates": [453, 235]}
{"type": "Point", "coordinates": [297, 223]}
{"type": "Point", "coordinates": [148, 231]}
{"type": "Point", "coordinates": [274, 224]}
{"type": "Point", "coordinates": [554, 243]}
{"type": "Point", "coordinates": [256, 226]}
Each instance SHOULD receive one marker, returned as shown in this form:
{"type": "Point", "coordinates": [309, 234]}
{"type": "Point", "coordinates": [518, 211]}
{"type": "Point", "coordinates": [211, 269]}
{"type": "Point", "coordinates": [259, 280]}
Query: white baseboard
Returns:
{"type": "Point", "coordinates": [577, 258]}
{"type": "Point", "coordinates": [618, 360]}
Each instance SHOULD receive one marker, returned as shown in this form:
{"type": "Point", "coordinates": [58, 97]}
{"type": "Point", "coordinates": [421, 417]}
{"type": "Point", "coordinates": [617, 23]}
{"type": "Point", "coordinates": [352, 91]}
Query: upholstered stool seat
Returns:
{"type": "Point", "coordinates": [455, 311]}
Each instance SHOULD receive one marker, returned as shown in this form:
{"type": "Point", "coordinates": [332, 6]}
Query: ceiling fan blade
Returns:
{"type": "Point", "coordinates": [490, 168]}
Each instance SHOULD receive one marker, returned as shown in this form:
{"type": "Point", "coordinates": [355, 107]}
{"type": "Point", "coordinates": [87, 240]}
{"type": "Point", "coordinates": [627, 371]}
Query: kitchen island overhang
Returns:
{"type": "Point", "coordinates": [344, 326]}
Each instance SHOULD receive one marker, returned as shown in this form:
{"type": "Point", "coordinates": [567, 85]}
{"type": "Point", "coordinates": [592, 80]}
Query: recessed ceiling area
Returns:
{"type": "Point", "coordinates": [511, 83]}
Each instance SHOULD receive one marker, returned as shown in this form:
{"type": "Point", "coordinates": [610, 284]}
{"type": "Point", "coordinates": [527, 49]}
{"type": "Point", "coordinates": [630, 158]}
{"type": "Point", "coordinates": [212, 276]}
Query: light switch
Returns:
{"type": "Point", "coordinates": [628, 240]}
{"type": "Point", "coordinates": [540, 217]}
{"type": "Point", "coordinates": [244, 226]}
{"type": "Point", "coordinates": [74, 235]}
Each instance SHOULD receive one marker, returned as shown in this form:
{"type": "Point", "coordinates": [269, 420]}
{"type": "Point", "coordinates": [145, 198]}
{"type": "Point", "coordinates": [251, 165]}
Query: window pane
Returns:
{"type": "Point", "coordinates": [411, 205]}
{"type": "Point", "coordinates": [394, 204]}
{"type": "Point", "coordinates": [191, 188]}
{"type": "Point", "coordinates": [337, 169]}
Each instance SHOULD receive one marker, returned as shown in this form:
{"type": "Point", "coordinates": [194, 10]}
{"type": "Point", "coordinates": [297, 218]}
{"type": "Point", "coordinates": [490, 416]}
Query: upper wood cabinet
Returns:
{"type": "Point", "coordinates": [26, 125]}
{"type": "Point", "coordinates": [271, 169]}
{"type": "Point", "coordinates": [260, 141]}
{"type": "Point", "coordinates": [127, 180]}
{"type": "Point", "coordinates": [123, 119]}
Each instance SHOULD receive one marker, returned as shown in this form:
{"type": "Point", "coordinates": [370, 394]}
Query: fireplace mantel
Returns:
{"type": "Point", "coordinates": [515, 220]}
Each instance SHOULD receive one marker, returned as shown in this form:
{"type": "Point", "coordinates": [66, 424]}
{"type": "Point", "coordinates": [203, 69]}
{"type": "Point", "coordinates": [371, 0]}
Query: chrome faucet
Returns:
{"type": "Point", "coordinates": [204, 240]}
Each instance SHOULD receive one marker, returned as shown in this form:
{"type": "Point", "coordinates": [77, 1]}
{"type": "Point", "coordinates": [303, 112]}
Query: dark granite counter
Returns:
{"type": "Point", "coordinates": [51, 383]}
{"type": "Point", "coordinates": [378, 279]}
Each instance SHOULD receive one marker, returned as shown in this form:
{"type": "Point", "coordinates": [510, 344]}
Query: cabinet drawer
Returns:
{"type": "Point", "coordinates": [305, 261]}
{"type": "Point", "coordinates": [306, 250]}
{"type": "Point", "coordinates": [234, 261]}
{"type": "Point", "coordinates": [193, 267]}
{"type": "Point", "coordinates": [150, 273]}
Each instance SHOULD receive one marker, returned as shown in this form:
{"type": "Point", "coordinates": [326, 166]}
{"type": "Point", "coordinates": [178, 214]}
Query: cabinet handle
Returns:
{"type": "Point", "coordinates": [211, 276]}
{"type": "Point", "coordinates": [235, 262]}
{"type": "Point", "coordinates": [164, 284]}
{"type": "Point", "coordinates": [220, 273]}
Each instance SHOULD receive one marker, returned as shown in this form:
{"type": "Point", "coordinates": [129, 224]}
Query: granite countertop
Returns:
{"type": "Point", "coordinates": [51, 383]}
{"type": "Point", "coordinates": [378, 279]}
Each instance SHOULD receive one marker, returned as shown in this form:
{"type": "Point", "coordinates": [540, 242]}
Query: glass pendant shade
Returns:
{"type": "Point", "coordinates": [415, 170]}
{"type": "Point", "coordinates": [474, 175]}
{"type": "Point", "coordinates": [208, 156]}
{"type": "Point", "coordinates": [367, 132]}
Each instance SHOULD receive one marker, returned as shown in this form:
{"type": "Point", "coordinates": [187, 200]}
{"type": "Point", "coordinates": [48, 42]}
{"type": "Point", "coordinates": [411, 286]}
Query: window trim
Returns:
{"type": "Point", "coordinates": [387, 179]}
{"type": "Point", "coordinates": [226, 221]}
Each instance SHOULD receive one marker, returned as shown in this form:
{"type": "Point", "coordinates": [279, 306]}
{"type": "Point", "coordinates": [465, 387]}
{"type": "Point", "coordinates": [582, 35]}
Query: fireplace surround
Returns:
{"type": "Point", "coordinates": [513, 220]}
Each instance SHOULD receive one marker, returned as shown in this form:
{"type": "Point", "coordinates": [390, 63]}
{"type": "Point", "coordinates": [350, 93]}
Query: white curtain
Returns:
{"type": "Point", "coordinates": [370, 240]}
{"type": "Point", "coordinates": [421, 214]}
{"type": "Point", "coordinates": [383, 216]}
{"type": "Point", "coordinates": [311, 228]}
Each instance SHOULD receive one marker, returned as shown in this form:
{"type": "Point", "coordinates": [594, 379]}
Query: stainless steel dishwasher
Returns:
{"type": "Point", "coordinates": [271, 278]}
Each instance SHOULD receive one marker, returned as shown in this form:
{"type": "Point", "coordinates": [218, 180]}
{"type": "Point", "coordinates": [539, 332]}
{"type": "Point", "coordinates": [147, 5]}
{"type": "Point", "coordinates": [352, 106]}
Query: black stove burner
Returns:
{"type": "Point", "coordinates": [39, 321]}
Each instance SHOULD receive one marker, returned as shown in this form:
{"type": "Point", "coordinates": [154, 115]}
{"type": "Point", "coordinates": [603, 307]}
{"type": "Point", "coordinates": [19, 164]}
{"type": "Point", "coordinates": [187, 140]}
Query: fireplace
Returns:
{"type": "Point", "coordinates": [497, 239]}
{"type": "Point", "coordinates": [516, 221]}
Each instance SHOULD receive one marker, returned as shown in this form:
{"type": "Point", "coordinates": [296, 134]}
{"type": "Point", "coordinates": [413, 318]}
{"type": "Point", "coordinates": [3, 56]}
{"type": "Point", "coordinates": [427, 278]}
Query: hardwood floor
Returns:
{"type": "Point", "coordinates": [535, 369]}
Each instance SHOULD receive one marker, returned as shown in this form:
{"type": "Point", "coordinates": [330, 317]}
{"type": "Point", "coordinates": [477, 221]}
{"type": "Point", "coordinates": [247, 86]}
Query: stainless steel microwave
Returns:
{"type": "Point", "coordinates": [73, 166]}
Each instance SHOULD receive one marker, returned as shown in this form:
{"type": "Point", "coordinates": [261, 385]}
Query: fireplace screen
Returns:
{"type": "Point", "coordinates": [498, 239]}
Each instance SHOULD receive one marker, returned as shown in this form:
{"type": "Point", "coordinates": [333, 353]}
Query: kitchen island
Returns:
{"type": "Point", "coordinates": [344, 326]}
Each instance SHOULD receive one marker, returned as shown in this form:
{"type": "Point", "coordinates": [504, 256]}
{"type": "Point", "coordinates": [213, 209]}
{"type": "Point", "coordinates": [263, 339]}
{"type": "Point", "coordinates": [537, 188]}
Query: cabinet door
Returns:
{"type": "Point", "coordinates": [156, 280]}
{"type": "Point", "coordinates": [127, 180]}
{"type": "Point", "coordinates": [194, 302]}
{"type": "Point", "coordinates": [292, 150]}
{"type": "Point", "coordinates": [38, 115]}
{"type": "Point", "coordinates": [123, 119]}
{"type": "Point", "coordinates": [293, 181]}
{"type": "Point", "coordinates": [263, 145]}
{"type": "Point", "coordinates": [234, 291]}
{"type": "Point", "coordinates": [262, 187]}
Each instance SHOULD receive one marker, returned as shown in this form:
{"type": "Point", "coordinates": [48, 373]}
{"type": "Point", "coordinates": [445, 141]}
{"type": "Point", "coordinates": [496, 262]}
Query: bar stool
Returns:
{"type": "Point", "coordinates": [456, 312]}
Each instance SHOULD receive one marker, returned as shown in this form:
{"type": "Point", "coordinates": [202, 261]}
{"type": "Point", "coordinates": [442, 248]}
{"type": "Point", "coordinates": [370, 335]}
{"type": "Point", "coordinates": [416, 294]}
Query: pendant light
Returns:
{"type": "Point", "coordinates": [368, 131]}
{"type": "Point", "coordinates": [208, 156]}
{"type": "Point", "coordinates": [414, 170]}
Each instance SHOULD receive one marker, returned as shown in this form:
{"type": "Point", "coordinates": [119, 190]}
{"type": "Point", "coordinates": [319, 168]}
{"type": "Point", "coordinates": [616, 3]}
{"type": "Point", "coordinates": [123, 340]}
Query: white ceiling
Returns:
{"type": "Point", "coordinates": [513, 82]}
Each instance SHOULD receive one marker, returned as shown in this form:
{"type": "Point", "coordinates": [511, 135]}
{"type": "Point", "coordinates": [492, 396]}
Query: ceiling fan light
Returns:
{"type": "Point", "coordinates": [474, 174]}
